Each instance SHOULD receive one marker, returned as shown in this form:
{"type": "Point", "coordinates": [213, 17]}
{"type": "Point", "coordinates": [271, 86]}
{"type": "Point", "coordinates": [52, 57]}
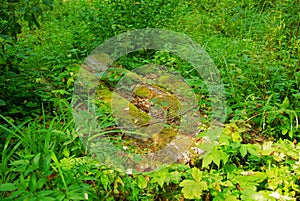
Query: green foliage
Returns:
{"type": "Point", "coordinates": [56, 167]}
{"type": "Point", "coordinates": [17, 91]}
{"type": "Point", "coordinates": [255, 45]}
{"type": "Point", "coordinates": [259, 70]}
{"type": "Point", "coordinates": [13, 12]}
{"type": "Point", "coordinates": [192, 189]}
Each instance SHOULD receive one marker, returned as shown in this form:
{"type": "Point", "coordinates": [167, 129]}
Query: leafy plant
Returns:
{"type": "Point", "coordinates": [192, 189]}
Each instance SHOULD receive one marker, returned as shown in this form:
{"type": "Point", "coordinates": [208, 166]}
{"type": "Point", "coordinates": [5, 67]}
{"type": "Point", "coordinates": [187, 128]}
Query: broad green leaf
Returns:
{"type": "Point", "coordinates": [226, 183]}
{"type": "Point", "coordinates": [21, 165]}
{"type": "Point", "coordinates": [284, 131]}
{"type": "Point", "coordinates": [243, 151]}
{"type": "Point", "coordinates": [164, 104]}
{"type": "Point", "coordinates": [7, 187]}
{"type": "Point", "coordinates": [32, 183]}
{"type": "Point", "coordinates": [207, 161]}
{"type": "Point", "coordinates": [44, 193]}
{"type": "Point", "coordinates": [70, 81]}
{"type": "Point", "coordinates": [36, 160]}
{"type": "Point", "coordinates": [117, 181]}
{"type": "Point", "coordinates": [16, 194]}
{"type": "Point", "coordinates": [142, 181]}
{"type": "Point", "coordinates": [253, 149]}
{"type": "Point", "coordinates": [75, 195]}
{"type": "Point", "coordinates": [20, 162]}
{"type": "Point", "coordinates": [218, 155]}
{"type": "Point", "coordinates": [41, 182]}
{"type": "Point", "coordinates": [189, 190]}
{"type": "Point", "coordinates": [104, 181]}
{"type": "Point", "coordinates": [250, 180]}
{"type": "Point", "coordinates": [46, 164]}
{"type": "Point", "coordinates": [192, 189]}
{"type": "Point", "coordinates": [249, 148]}
{"type": "Point", "coordinates": [29, 170]}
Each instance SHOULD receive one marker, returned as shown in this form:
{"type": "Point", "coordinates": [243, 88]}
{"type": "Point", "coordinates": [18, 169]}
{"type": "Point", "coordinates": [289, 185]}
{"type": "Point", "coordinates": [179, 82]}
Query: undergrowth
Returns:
{"type": "Point", "coordinates": [255, 46]}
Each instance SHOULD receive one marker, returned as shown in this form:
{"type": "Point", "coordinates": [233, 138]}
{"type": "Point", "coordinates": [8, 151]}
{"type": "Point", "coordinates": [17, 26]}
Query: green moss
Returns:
{"type": "Point", "coordinates": [168, 101]}
{"type": "Point", "coordinates": [142, 92]}
{"type": "Point", "coordinates": [138, 116]}
{"type": "Point", "coordinates": [104, 96]}
{"type": "Point", "coordinates": [103, 93]}
{"type": "Point", "coordinates": [162, 138]}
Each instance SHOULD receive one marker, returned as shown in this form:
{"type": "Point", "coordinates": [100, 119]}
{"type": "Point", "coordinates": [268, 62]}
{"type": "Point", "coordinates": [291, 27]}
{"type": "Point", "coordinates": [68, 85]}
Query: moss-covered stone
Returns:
{"type": "Point", "coordinates": [139, 117]}
{"type": "Point", "coordinates": [162, 138]}
{"type": "Point", "coordinates": [148, 109]}
{"type": "Point", "coordinates": [142, 92]}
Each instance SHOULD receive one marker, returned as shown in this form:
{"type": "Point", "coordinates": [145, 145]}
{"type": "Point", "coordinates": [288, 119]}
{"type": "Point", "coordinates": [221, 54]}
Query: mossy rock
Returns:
{"type": "Point", "coordinates": [142, 92]}
{"type": "Point", "coordinates": [139, 117]}
{"type": "Point", "coordinates": [122, 107]}
{"type": "Point", "coordinates": [164, 137]}
{"type": "Point", "coordinates": [154, 123]}
{"type": "Point", "coordinates": [103, 94]}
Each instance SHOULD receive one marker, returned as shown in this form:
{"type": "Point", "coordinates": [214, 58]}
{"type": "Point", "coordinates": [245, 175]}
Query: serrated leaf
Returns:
{"type": "Point", "coordinates": [207, 161]}
{"type": "Point", "coordinates": [197, 174]}
{"type": "Point", "coordinates": [175, 177]}
{"type": "Point", "coordinates": [160, 177]}
{"type": "Point", "coordinates": [219, 155]}
{"type": "Point", "coordinates": [192, 189]}
{"type": "Point", "coordinates": [216, 156]}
